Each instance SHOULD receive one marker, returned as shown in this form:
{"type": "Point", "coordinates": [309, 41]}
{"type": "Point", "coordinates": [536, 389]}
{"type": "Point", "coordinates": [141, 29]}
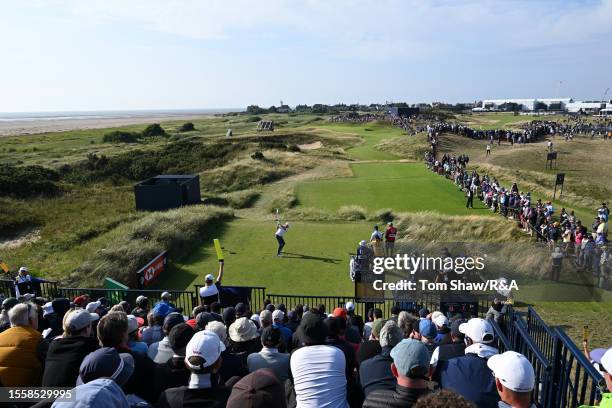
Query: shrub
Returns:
{"type": "Point", "coordinates": [351, 213]}
{"type": "Point", "coordinates": [252, 119]}
{"type": "Point", "coordinates": [153, 130]}
{"type": "Point", "coordinates": [27, 181]}
{"type": "Point", "coordinates": [384, 215]}
{"type": "Point", "coordinates": [187, 127]}
{"type": "Point", "coordinates": [120, 136]}
{"type": "Point", "coordinates": [134, 244]}
{"type": "Point", "coordinates": [220, 201]}
{"type": "Point", "coordinates": [242, 199]}
{"type": "Point", "coordinates": [258, 156]}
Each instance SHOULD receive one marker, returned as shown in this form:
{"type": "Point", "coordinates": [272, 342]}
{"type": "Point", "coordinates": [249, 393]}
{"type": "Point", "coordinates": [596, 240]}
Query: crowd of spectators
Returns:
{"type": "Point", "coordinates": [561, 231]}
{"type": "Point", "coordinates": [153, 355]}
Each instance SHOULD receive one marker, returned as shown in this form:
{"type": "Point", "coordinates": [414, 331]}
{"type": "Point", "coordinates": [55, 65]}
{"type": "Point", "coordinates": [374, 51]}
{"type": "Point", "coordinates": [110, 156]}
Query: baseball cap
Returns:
{"type": "Point", "coordinates": [427, 328]}
{"type": "Point", "coordinates": [408, 355]}
{"type": "Point", "coordinates": [47, 309]}
{"type": "Point", "coordinates": [362, 242]}
{"type": "Point", "coordinates": [440, 320]}
{"type": "Point", "coordinates": [80, 300]}
{"type": "Point", "coordinates": [165, 295]}
{"type": "Point", "coordinates": [350, 306]}
{"type": "Point", "coordinates": [340, 312]}
{"type": "Point", "coordinates": [203, 318]}
{"type": "Point", "coordinates": [161, 309]}
{"type": "Point", "coordinates": [241, 310]}
{"type": "Point", "coordinates": [106, 362]}
{"type": "Point", "coordinates": [278, 315]}
{"type": "Point", "coordinates": [132, 323]}
{"type": "Point", "coordinates": [477, 329]}
{"type": "Point", "coordinates": [602, 357]}
{"type": "Point", "coordinates": [23, 269]}
{"type": "Point", "coordinates": [513, 370]}
{"type": "Point", "coordinates": [93, 306]}
{"type": "Point", "coordinates": [78, 319]}
{"type": "Point", "coordinates": [209, 277]}
{"type": "Point", "coordinates": [261, 388]}
{"type": "Point", "coordinates": [179, 337]}
{"type": "Point", "coordinates": [423, 313]}
{"type": "Point", "coordinates": [204, 344]}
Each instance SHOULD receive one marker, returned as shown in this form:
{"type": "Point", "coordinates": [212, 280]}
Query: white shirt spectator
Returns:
{"type": "Point", "coordinates": [319, 377]}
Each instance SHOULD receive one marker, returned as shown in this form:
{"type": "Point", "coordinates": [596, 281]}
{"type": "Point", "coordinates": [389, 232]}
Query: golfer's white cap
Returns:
{"type": "Point", "coordinates": [23, 269]}
{"type": "Point", "coordinates": [350, 306]}
{"type": "Point", "coordinates": [477, 329]}
{"type": "Point", "coordinates": [209, 277]}
{"type": "Point", "coordinates": [513, 370]}
{"type": "Point", "coordinates": [165, 295]}
{"type": "Point", "coordinates": [362, 242]}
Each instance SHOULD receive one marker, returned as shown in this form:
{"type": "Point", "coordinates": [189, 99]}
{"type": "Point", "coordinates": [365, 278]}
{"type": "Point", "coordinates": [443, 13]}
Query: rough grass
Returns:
{"type": "Point", "coordinates": [412, 147]}
{"type": "Point", "coordinates": [132, 245]}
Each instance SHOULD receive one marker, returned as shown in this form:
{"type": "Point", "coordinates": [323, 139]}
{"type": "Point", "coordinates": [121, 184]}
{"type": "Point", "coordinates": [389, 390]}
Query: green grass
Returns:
{"type": "Point", "coordinates": [399, 186]}
{"type": "Point", "coordinates": [372, 134]}
{"type": "Point", "coordinates": [498, 120]}
{"type": "Point", "coordinates": [316, 260]}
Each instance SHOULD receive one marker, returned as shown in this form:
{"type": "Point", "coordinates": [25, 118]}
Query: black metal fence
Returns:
{"type": "Point", "coordinates": [257, 295]}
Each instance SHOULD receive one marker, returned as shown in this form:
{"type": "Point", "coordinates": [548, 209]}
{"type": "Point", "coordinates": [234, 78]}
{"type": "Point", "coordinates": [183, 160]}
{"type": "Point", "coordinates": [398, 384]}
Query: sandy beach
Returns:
{"type": "Point", "coordinates": [29, 127]}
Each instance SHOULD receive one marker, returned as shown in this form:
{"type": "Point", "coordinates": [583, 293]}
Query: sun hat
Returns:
{"type": "Point", "coordinates": [409, 355]}
{"type": "Point", "coordinates": [243, 329]}
{"type": "Point", "coordinates": [391, 334]}
{"type": "Point", "coordinates": [206, 345]}
{"type": "Point", "coordinates": [603, 358]}
{"type": "Point", "coordinates": [106, 362]}
{"type": "Point", "coordinates": [261, 388]}
{"type": "Point", "coordinates": [477, 329]}
{"type": "Point", "coordinates": [513, 370]}
{"type": "Point", "coordinates": [78, 319]}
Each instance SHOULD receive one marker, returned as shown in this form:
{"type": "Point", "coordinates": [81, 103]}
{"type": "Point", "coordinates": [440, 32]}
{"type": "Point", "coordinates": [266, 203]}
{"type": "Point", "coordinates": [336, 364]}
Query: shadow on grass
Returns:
{"type": "Point", "coordinates": [311, 258]}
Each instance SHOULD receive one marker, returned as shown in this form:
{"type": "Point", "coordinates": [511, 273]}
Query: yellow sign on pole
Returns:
{"type": "Point", "coordinates": [4, 267]}
{"type": "Point", "coordinates": [218, 249]}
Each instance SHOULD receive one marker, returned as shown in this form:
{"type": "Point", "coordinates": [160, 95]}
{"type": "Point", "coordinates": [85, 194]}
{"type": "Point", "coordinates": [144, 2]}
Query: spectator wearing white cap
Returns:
{"type": "Point", "coordinates": [355, 320]}
{"type": "Point", "coordinates": [203, 359]}
{"type": "Point", "coordinates": [212, 288]}
{"type": "Point", "coordinates": [67, 352]}
{"type": "Point", "coordinates": [23, 275]}
{"type": "Point", "coordinates": [22, 348]}
{"type": "Point", "coordinates": [469, 375]}
{"type": "Point", "coordinates": [514, 379]}
{"type": "Point", "coordinates": [278, 318]}
{"type": "Point", "coordinates": [443, 336]}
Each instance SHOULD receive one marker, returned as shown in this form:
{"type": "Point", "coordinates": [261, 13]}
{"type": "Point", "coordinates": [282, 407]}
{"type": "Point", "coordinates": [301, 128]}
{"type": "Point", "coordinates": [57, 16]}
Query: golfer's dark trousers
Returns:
{"type": "Point", "coordinates": [470, 202]}
{"type": "Point", "coordinates": [281, 244]}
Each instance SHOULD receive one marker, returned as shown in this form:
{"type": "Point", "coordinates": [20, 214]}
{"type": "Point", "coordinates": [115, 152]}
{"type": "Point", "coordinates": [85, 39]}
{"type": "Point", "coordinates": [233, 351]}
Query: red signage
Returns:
{"type": "Point", "coordinates": [149, 273]}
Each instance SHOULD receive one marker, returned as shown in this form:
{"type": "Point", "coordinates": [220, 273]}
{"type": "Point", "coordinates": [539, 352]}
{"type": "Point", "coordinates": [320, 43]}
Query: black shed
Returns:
{"type": "Point", "coordinates": [167, 191]}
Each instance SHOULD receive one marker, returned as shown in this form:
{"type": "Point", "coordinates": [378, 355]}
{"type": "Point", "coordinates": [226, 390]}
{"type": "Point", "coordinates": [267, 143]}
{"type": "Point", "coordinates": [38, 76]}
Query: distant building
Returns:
{"type": "Point", "coordinates": [522, 105]}
{"type": "Point", "coordinates": [283, 109]}
{"type": "Point", "coordinates": [587, 107]}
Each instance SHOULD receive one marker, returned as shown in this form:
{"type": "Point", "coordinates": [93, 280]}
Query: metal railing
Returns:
{"type": "Point", "coordinates": [540, 332]}
{"type": "Point", "coordinates": [257, 295]}
{"type": "Point", "coordinates": [502, 342]}
{"type": "Point", "coordinates": [575, 379]}
{"type": "Point", "coordinates": [541, 365]}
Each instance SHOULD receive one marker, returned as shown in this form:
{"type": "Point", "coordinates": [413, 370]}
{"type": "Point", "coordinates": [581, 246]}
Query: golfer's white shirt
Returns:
{"type": "Point", "coordinates": [319, 378]}
{"type": "Point", "coordinates": [206, 291]}
{"type": "Point", "coordinates": [281, 231]}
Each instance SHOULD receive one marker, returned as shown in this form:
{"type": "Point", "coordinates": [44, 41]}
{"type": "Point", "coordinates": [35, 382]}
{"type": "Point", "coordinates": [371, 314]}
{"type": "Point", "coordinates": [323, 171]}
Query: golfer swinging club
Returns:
{"type": "Point", "coordinates": [281, 229]}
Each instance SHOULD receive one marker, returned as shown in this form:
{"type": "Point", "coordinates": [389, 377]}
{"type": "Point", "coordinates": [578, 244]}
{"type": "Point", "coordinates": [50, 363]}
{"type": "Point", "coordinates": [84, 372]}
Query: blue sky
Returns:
{"type": "Point", "coordinates": [150, 54]}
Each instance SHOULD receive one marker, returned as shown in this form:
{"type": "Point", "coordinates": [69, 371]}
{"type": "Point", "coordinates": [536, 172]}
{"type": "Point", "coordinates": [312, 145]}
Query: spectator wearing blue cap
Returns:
{"type": "Point", "coordinates": [469, 375]}
{"type": "Point", "coordinates": [153, 332]}
{"type": "Point", "coordinates": [428, 332]}
{"type": "Point", "coordinates": [410, 366]}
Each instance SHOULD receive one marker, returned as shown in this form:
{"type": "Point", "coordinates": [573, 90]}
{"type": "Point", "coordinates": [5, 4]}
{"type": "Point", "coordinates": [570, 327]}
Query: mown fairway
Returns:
{"type": "Point", "coordinates": [315, 263]}
{"type": "Point", "coordinates": [399, 186]}
{"type": "Point", "coordinates": [372, 134]}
